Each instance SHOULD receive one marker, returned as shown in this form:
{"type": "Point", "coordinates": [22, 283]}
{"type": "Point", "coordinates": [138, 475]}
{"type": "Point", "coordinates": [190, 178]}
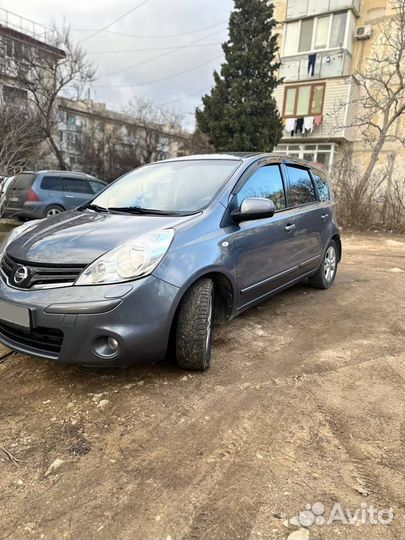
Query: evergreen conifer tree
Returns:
{"type": "Point", "coordinates": [240, 114]}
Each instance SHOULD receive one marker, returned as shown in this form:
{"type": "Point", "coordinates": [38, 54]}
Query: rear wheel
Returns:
{"type": "Point", "coordinates": [194, 326]}
{"type": "Point", "coordinates": [53, 210]}
{"type": "Point", "coordinates": [326, 274]}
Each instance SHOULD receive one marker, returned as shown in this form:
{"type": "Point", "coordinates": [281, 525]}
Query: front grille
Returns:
{"type": "Point", "coordinates": [25, 275]}
{"type": "Point", "coordinates": [40, 339]}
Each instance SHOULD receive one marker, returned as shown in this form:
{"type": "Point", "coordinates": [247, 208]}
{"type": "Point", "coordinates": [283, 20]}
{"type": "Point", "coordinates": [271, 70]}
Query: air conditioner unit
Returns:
{"type": "Point", "coordinates": [364, 32]}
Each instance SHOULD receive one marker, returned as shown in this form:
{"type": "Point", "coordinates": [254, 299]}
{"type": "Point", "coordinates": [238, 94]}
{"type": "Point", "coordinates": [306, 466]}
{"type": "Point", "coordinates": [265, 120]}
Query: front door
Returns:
{"type": "Point", "coordinates": [264, 248]}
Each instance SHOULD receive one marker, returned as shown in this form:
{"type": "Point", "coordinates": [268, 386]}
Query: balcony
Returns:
{"type": "Point", "coordinates": [333, 63]}
{"type": "Point", "coordinates": [297, 9]}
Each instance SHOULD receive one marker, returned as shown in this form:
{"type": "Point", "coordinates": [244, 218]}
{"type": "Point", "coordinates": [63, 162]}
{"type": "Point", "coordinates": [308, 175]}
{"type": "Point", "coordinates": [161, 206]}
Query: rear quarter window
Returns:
{"type": "Point", "coordinates": [322, 186]}
{"type": "Point", "coordinates": [23, 181]}
{"type": "Point", "coordinates": [96, 186]}
{"type": "Point", "coordinates": [54, 183]}
{"type": "Point", "coordinates": [77, 185]}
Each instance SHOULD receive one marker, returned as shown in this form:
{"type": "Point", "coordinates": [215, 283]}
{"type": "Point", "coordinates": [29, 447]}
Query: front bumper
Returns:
{"type": "Point", "coordinates": [138, 314]}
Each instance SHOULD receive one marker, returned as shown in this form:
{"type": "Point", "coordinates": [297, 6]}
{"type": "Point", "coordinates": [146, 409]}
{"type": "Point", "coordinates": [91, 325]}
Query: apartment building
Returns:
{"type": "Point", "coordinates": [76, 119]}
{"type": "Point", "coordinates": [22, 42]}
{"type": "Point", "coordinates": [322, 42]}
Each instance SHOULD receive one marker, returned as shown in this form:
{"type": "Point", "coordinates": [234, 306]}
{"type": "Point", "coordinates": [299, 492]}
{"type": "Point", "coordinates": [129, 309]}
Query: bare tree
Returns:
{"type": "Point", "coordinates": [21, 138]}
{"type": "Point", "coordinates": [196, 143]}
{"type": "Point", "coordinates": [382, 87]}
{"type": "Point", "coordinates": [381, 97]}
{"type": "Point", "coordinates": [63, 68]}
{"type": "Point", "coordinates": [155, 126]}
{"type": "Point", "coordinates": [105, 152]}
{"type": "Point", "coordinates": [378, 107]}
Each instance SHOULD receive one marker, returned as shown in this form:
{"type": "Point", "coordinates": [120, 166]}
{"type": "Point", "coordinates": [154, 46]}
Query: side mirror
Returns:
{"type": "Point", "coordinates": [254, 208]}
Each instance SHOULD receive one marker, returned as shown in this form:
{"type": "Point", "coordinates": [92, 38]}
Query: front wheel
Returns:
{"type": "Point", "coordinates": [194, 326]}
{"type": "Point", "coordinates": [326, 274]}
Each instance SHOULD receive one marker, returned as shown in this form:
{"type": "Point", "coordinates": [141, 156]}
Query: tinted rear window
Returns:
{"type": "Point", "coordinates": [301, 189]}
{"type": "Point", "coordinates": [77, 185]}
{"type": "Point", "coordinates": [53, 183]}
{"type": "Point", "coordinates": [23, 181]}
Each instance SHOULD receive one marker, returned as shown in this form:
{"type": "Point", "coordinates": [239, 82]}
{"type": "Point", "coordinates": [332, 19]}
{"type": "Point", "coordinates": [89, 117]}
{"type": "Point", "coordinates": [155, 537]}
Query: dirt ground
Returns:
{"type": "Point", "coordinates": [304, 403]}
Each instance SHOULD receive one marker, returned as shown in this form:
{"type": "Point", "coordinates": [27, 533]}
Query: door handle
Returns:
{"type": "Point", "coordinates": [69, 196]}
{"type": "Point", "coordinates": [289, 227]}
{"type": "Point", "coordinates": [324, 217]}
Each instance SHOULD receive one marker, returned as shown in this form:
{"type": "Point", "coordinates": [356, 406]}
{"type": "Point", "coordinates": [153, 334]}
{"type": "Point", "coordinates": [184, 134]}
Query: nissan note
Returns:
{"type": "Point", "coordinates": [162, 255]}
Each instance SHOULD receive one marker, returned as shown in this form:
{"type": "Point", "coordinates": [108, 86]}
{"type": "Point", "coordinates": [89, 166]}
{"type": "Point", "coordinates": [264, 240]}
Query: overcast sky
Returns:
{"type": "Point", "coordinates": [128, 65]}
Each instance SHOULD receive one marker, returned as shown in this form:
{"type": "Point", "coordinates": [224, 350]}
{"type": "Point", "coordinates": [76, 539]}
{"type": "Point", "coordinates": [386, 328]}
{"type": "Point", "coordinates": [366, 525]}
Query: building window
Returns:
{"type": "Point", "coordinates": [71, 120]}
{"type": "Point", "coordinates": [303, 100]}
{"type": "Point", "coordinates": [315, 34]}
{"type": "Point", "coordinates": [321, 154]}
{"type": "Point", "coordinates": [11, 95]}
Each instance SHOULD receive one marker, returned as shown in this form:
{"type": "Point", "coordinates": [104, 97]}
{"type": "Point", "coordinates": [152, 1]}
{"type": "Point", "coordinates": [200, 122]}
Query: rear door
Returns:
{"type": "Point", "coordinates": [264, 248]}
{"type": "Point", "coordinates": [302, 197]}
{"type": "Point", "coordinates": [76, 191]}
{"type": "Point", "coordinates": [17, 192]}
{"type": "Point", "coordinates": [52, 190]}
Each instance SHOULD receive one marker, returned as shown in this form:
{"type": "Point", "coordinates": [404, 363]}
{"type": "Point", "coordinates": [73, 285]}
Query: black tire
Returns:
{"type": "Point", "coordinates": [53, 210]}
{"type": "Point", "coordinates": [322, 279]}
{"type": "Point", "coordinates": [194, 326]}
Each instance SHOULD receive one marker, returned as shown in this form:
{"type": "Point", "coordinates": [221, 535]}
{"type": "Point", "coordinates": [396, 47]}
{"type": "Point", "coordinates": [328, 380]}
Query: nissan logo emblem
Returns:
{"type": "Point", "coordinates": [20, 274]}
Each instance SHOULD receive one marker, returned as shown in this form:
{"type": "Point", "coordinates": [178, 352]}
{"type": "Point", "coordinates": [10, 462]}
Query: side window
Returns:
{"type": "Point", "coordinates": [96, 186]}
{"type": "Point", "coordinates": [301, 189]}
{"type": "Point", "coordinates": [54, 183]}
{"type": "Point", "coordinates": [76, 185]}
{"type": "Point", "coordinates": [323, 188]}
{"type": "Point", "coordinates": [265, 182]}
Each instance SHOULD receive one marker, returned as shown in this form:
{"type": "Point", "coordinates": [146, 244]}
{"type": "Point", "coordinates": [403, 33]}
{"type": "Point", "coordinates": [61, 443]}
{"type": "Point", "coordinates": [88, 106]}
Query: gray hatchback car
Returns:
{"type": "Point", "coordinates": [33, 195]}
{"type": "Point", "coordinates": [164, 253]}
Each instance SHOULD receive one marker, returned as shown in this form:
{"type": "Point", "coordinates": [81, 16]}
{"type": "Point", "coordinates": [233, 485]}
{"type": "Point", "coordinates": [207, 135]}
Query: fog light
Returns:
{"type": "Point", "coordinates": [113, 344]}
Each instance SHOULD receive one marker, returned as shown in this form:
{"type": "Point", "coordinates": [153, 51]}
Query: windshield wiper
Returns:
{"type": "Point", "coordinates": [140, 210]}
{"type": "Point", "coordinates": [95, 207]}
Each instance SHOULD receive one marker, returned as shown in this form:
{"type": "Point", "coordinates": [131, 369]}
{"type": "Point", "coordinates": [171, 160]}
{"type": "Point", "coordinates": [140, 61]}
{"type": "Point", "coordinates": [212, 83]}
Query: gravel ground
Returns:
{"type": "Point", "coordinates": [304, 403]}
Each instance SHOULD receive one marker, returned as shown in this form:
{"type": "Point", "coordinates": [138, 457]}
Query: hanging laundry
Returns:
{"type": "Point", "coordinates": [308, 124]}
{"type": "Point", "coordinates": [311, 64]}
{"type": "Point", "coordinates": [290, 125]}
{"type": "Point", "coordinates": [299, 125]}
{"type": "Point", "coordinates": [318, 120]}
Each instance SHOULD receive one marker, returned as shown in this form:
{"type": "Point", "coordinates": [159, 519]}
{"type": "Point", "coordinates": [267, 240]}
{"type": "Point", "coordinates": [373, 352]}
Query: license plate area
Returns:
{"type": "Point", "coordinates": [15, 314]}
{"type": "Point", "coordinates": [14, 198]}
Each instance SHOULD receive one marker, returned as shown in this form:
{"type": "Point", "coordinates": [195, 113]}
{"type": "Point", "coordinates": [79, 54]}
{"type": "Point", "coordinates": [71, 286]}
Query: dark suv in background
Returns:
{"type": "Point", "coordinates": [33, 195]}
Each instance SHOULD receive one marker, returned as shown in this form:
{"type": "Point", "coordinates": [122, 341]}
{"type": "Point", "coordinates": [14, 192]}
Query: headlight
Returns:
{"type": "Point", "coordinates": [14, 234]}
{"type": "Point", "coordinates": [133, 259]}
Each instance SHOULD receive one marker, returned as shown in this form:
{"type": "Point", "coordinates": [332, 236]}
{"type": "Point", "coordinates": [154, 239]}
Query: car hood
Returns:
{"type": "Point", "coordinates": [81, 237]}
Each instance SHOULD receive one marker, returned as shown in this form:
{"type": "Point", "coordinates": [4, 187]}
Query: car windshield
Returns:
{"type": "Point", "coordinates": [172, 186]}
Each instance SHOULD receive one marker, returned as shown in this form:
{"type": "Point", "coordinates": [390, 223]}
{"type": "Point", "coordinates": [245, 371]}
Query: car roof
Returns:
{"type": "Point", "coordinates": [65, 173]}
{"type": "Point", "coordinates": [253, 156]}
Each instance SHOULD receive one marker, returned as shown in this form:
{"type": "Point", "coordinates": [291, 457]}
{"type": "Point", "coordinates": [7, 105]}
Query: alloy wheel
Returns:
{"type": "Point", "coordinates": [329, 265]}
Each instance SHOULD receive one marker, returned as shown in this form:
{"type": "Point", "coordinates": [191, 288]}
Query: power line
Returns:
{"type": "Point", "coordinates": [158, 56]}
{"type": "Point", "coordinates": [158, 80]}
{"type": "Point", "coordinates": [122, 51]}
{"type": "Point", "coordinates": [139, 36]}
{"type": "Point", "coordinates": [184, 97]}
{"type": "Point", "coordinates": [114, 21]}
